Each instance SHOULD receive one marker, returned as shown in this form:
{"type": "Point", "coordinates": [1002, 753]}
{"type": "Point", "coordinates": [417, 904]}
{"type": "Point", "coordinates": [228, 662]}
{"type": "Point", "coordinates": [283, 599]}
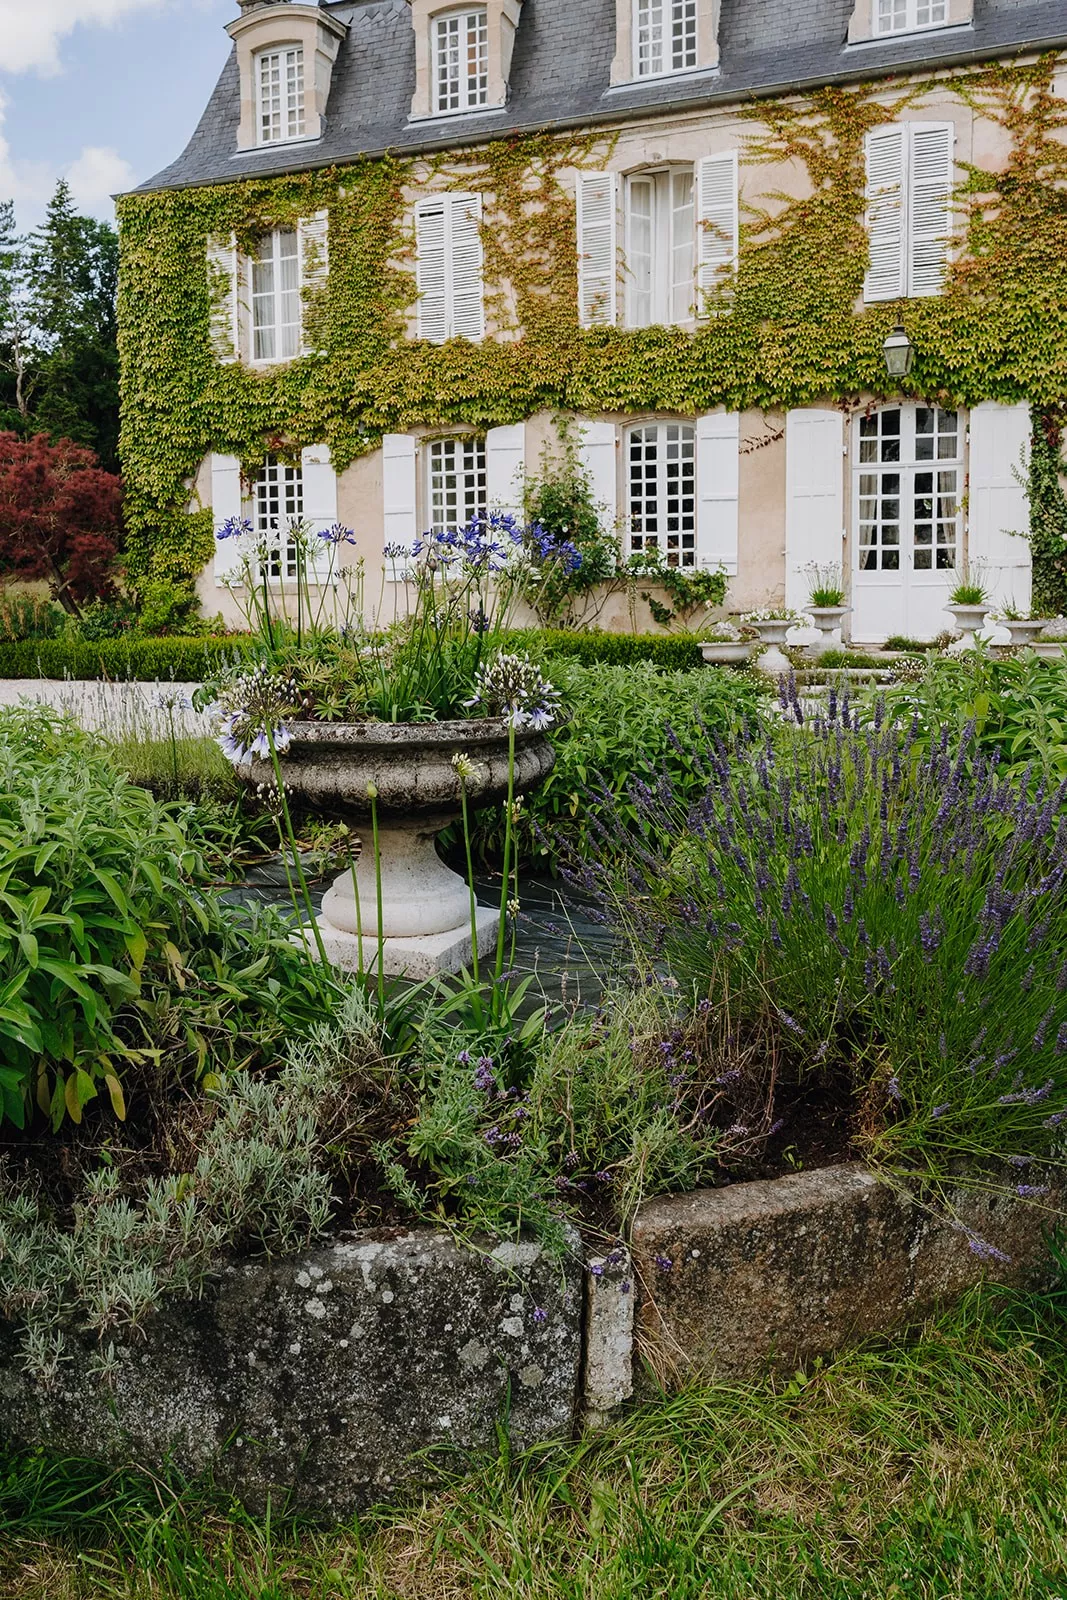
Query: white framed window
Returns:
{"type": "Point", "coordinates": [461, 60]}
{"type": "Point", "coordinates": [908, 16]}
{"type": "Point", "coordinates": [665, 36]}
{"type": "Point", "coordinates": [278, 502]}
{"type": "Point", "coordinates": [449, 268]}
{"type": "Point", "coordinates": [661, 247]}
{"type": "Point", "coordinates": [457, 482]}
{"type": "Point", "coordinates": [662, 491]}
{"type": "Point", "coordinates": [909, 490]}
{"type": "Point", "coordinates": [910, 171]}
{"type": "Point", "coordinates": [276, 302]}
{"type": "Point", "coordinates": [280, 95]}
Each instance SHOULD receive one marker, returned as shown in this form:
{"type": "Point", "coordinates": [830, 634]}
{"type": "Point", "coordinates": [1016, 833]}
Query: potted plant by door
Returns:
{"type": "Point", "coordinates": [969, 604]}
{"type": "Point", "coordinates": [1022, 630]}
{"type": "Point", "coordinates": [398, 730]}
{"type": "Point", "coordinates": [826, 606]}
{"type": "Point", "coordinates": [772, 624]}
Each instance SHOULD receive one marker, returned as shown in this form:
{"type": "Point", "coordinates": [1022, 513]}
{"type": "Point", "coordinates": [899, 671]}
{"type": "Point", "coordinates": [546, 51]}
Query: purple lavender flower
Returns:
{"type": "Point", "coordinates": [540, 1316]}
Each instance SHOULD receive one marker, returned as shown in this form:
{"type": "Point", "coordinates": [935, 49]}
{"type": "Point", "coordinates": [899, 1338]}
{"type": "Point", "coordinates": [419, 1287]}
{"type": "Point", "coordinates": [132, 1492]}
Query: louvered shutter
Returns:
{"type": "Point", "coordinates": [814, 497]}
{"type": "Point", "coordinates": [314, 237]}
{"type": "Point", "coordinates": [886, 214]}
{"type": "Point", "coordinates": [222, 289]}
{"type": "Point", "coordinates": [999, 514]}
{"type": "Point", "coordinates": [718, 471]}
{"type": "Point", "coordinates": [717, 220]}
{"type": "Point", "coordinates": [399, 495]}
{"type": "Point", "coordinates": [597, 249]}
{"type": "Point", "coordinates": [930, 167]}
{"type": "Point", "coordinates": [226, 501]}
{"type": "Point", "coordinates": [505, 461]}
{"type": "Point", "coordinates": [320, 503]}
{"type": "Point", "coordinates": [465, 268]}
{"type": "Point", "coordinates": [599, 456]}
{"type": "Point", "coordinates": [431, 231]}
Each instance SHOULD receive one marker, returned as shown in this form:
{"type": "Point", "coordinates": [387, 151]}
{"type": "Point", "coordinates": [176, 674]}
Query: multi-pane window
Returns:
{"type": "Point", "coordinates": [280, 94]}
{"type": "Point", "coordinates": [661, 480]}
{"type": "Point", "coordinates": [905, 16]}
{"type": "Point", "coordinates": [909, 480]}
{"type": "Point", "coordinates": [279, 504]}
{"type": "Point", "coordinates": [276, 302]}
{"type": "Point", "coordinates": [660, 247]}
{"type": "Point", "coordinates": [461, 60]}
{"type": "Point", "coordinates": [458, 482]}
{"type": "Point", "coordinates": [665, 36]}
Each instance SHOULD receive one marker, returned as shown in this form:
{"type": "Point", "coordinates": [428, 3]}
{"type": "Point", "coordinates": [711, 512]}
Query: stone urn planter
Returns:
{"type": "Point", "coordinates": [426, 907]}
{"type": "Point", "coordinates": [726, 652]}
{"type": "Point", "coordinates": [1049, 649]}
{"type": "Point", "coordinates": [828, 620]}
{"type": "Point", "coordinates": [968, 620]}
{"type": "Point", "coordinates": [1023, 631]}
{"type": "Point", "coordinates": [772, 659]}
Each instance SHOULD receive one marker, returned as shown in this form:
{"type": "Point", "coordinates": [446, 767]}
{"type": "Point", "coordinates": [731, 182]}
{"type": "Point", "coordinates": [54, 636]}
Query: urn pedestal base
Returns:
{"type": "Point", "coordinates": [429, 955]}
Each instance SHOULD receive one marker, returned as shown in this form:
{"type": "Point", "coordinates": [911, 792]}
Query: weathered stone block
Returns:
{"type": "Point", "coordinates": [788, 1269]}
{"type": "Point", "coordinates": [333, 1380]}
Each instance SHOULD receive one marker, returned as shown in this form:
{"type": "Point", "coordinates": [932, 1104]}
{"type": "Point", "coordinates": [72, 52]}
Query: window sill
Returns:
{"type": "Point", "coordinates": [453, 116]}
{"type": "Point", "coordinates": [277, 144]}
{"type": "Point", "coordinates": [942, 30]}
{"type": "Point", "coordinates": [685, 75]}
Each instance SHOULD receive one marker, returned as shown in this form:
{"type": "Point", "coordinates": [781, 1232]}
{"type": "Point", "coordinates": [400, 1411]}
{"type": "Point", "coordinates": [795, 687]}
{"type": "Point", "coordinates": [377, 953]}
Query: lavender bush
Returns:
{"type": "Point", "coordinates": [895, 911]}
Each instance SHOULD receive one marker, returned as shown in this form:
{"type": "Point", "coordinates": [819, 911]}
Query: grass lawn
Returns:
{"type": "Point", "coordinates": [931, 1468]}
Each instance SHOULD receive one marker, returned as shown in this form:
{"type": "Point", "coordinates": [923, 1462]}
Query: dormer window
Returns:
{"type": "Point", "coordinates": [461, 60]}
{"type": "Point", "coordinates": [665, 37]}
{"type": "Point", "coordinates": [908, 16]}
{"type": "Point", "coordinates": [280, 95]}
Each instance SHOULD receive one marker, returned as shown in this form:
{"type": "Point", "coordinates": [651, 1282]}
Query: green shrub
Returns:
{"type": "Point", "coordinates": [24, 616]}
{"type": "Point", "coordinates": [596, 648]}
{"type": "Point", "coordinates": [621, 724]}
{"type": "Point", "coordinates": [135, 659]}
{"type": "Point", "coordinates": [892, 920]}
{"type": "Point", "coordinates": [114, 957]}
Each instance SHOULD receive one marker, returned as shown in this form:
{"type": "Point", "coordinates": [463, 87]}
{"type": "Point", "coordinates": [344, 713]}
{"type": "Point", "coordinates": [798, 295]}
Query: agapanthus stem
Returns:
{"type": "Point", "coordinates": [290, 835]}
{"type": "Point", "coordinates": [470, 880]}
{"type": "Point", "coordinates": [501, 935]}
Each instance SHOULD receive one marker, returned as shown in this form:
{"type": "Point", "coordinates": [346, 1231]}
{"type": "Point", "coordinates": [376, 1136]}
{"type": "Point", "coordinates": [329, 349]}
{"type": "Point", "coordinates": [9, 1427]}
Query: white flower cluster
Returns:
{"type": "Point", "coordinates": [511, 686]}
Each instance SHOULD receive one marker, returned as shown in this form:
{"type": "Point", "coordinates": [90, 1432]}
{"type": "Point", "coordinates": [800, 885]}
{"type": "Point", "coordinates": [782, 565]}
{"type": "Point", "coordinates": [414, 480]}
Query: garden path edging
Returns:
{"type": "Point", "coordinates": [347, 1375]}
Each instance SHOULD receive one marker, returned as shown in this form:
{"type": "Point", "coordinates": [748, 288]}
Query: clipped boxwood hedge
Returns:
{"type": "Point", "coordinates": [139, 660]}
{"type": "Point", "coordinates": [191, 660]}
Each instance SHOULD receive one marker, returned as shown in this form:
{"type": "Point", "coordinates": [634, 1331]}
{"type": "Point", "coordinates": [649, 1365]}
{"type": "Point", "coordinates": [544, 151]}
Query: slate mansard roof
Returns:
{"type": "Point", "coordinates": [560, 75]}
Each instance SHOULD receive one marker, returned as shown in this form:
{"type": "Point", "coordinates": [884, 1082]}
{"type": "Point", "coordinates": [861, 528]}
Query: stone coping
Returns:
{"type": "Point", "coordinates": [350, 1374]}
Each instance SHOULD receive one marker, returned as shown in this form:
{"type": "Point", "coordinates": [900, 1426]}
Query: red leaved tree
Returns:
{"type": "Point", "coordinates": [59, 518]}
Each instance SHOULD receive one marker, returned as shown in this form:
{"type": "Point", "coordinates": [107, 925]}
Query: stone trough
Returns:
{"type": "Point", "coordinates": [358, 1371]}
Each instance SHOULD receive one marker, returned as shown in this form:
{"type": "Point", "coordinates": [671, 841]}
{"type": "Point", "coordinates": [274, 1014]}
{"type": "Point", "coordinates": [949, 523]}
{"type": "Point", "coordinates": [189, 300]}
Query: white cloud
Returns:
{"type": "Point", "coordinates": [98, 173]}
{"type": "Point", "coordinates": [31, 30]}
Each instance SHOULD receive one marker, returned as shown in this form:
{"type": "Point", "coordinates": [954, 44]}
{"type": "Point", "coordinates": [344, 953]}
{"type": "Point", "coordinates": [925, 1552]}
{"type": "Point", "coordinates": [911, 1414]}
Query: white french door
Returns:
{"type": "Point", "coordinates": [908, 480]}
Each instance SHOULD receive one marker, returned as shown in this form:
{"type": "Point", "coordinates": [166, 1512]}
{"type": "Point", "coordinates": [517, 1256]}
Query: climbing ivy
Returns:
{"type": "Point", "coordinates": [1048, 515]}
{"type": "Point", "coordinates": [788, 329]}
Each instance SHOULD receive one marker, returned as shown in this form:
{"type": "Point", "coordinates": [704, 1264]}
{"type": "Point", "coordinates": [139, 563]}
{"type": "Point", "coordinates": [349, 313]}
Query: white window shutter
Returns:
{"type": "Point", "coordinates": [886, 213]}
{"type": "Point", "coordinates": [599, 456]}
{"type": "Point", "coordinates": [314, 236]}
{"type": "Point", "coordinates": [223, 289]}
{"type": "Point", "coordinates": [399, 495]}
{"type": "Point", "coordinates": [718, 473]}
{"type": "Point", "coordinates": [999, 515]}
{"type": "Point", "coordinates": [431, 231]}
{"type": "Point", "coordinates": [505, 461]}
{"type": "Point", "coordinates": [718, 222]}
{"type": "Point", "coordinates": [814, 498]}
{"type": "Point", "coordinates": [930, 172]}
{"type": "Point", "coordinates": [320, 503]}
{"type": "Point", "coordinates": [227, 500]}
{"type": "Point", "coordinates": [597, 249]}
{"type": "Point", "coordinates": [466, 268]}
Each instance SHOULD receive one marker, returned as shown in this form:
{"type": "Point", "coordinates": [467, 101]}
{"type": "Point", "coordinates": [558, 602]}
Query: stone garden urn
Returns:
{"type": "Point", "coordinates": [1022, 630]}
{"type": "Point", "coordinates": [968, 620]}
{"type": "Point", "coordinates": [726, 652]}
{"type": "Point", "coordinates": [426, 907]}
{"type": "Point", "coordinates": [828, 620]}
{"type": "Point", "coordinates": [772, 636]}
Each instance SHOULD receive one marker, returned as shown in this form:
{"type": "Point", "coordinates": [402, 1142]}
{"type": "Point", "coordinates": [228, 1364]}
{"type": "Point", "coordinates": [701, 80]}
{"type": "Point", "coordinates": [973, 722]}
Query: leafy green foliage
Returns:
{"type": "Point", "coordinates": [622, 724]}
{"type": "Point", "coordinates": [25, 616]}
{"type": "Point", "coordinates": [560, 500]}
{"type": "Point", "coordinates": [1048, 515]}
{"type": "Point", "coordinates": [691, 593]}
{"type": "Point", "coordinates": [140, 660]}
{"type": "Point", "coordinates": [114, 958]}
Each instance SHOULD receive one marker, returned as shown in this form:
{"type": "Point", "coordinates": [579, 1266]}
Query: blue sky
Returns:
{"type": "Point", "coordinates": [105, 100]}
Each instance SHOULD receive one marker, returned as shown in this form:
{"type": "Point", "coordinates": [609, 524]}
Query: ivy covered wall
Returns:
{"type": "Point", "coordinates": [790, 330]}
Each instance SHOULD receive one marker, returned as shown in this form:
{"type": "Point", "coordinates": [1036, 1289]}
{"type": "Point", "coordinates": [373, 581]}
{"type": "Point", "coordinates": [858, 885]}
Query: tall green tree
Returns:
{"type": "Point", "coordinates": [18, 344]}
{"type": "Point", "coordinates": [71, 283]}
